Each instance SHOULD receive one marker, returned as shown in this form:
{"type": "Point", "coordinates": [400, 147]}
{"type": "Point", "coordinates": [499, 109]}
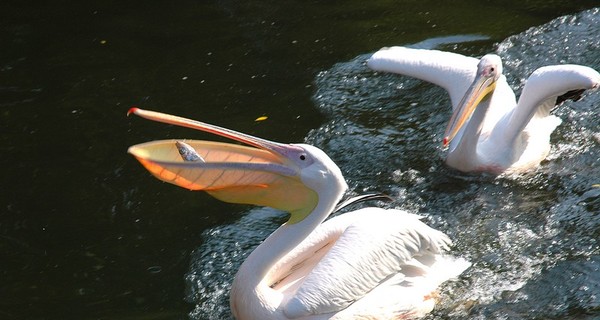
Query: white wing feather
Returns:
{"type": "Point", "coordinates": [451, 71]}
{"type": "Point", "coordinates": [374, 247]}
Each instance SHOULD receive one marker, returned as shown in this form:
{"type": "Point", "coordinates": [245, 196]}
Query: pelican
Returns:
{"type": "Point", "coordinates": [489, 131]}
{"type": "Point", "coordinates": [371, 263]}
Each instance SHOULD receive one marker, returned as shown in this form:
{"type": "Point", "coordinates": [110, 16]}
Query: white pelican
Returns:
{"type": "Point", "coordinates": [369, 264]}
{"type": "Point", "coordinates": [501, 134]}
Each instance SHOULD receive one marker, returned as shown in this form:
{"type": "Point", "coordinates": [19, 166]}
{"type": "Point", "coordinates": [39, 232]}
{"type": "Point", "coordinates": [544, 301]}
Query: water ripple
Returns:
{"type": "Point", "coordinates": [532, 238]}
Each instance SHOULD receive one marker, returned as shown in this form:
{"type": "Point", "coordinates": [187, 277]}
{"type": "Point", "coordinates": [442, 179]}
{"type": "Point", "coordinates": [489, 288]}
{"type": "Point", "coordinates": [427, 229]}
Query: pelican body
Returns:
{"type": "Point", "coordinates": [371, 263]}
{"type": "Point", "coordinates": [490, 131]}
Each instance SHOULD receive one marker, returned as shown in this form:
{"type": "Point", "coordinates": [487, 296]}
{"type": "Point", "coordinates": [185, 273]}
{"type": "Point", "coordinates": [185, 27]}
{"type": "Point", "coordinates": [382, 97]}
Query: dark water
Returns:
{"type": "Point", "coordinates": [86, 233]}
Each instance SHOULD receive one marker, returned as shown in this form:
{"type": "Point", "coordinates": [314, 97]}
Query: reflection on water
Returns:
{"type": "Point", "coordinates": [532, 238]}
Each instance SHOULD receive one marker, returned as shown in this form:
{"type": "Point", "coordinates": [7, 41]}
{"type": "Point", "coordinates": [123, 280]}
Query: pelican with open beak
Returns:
{"type": "Point", "coordinates": [370, 263]}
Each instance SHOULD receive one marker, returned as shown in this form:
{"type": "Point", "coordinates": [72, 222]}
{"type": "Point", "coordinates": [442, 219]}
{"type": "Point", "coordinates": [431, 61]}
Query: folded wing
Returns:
{"type": "Point", "coordinates": [375, 247]}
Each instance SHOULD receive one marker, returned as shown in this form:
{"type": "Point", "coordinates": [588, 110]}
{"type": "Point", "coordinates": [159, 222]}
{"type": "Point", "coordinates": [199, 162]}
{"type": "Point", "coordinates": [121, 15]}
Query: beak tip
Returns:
{"type": "Point", "coordinates": [132, 110]}
{"type": "Point", "coordinates": [446, 141]}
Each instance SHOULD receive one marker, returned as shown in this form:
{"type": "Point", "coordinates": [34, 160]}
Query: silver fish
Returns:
{"type": "Point", "coordinates": [188, 153]}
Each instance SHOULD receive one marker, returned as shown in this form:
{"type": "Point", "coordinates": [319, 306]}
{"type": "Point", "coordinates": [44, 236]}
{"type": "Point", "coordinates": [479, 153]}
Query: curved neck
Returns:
{"type": "Point", "coordinates": [251, 291]}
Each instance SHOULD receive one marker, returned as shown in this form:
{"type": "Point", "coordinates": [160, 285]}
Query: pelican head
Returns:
{"type": "Point", "coordinates": [289, 177]}
{"type": "Point", "coordinates": [489, 69]}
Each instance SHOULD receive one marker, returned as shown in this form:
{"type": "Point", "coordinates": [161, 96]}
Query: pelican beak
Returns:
{"type": "Point", "coordinates": [479, 89]}
{"type": "Point", "coordinates": [264, 173]}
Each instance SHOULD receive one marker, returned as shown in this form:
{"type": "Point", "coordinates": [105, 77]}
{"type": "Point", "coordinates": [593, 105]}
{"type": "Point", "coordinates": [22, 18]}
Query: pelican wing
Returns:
{"type": "Point", "coordinates": [451, 71]}
{"type": "Point", "coordinates": [547, 84]}
{"type": "Point", "coordinates": [374, 247]}
{"type": "Point", "coordinates": [546, 87]}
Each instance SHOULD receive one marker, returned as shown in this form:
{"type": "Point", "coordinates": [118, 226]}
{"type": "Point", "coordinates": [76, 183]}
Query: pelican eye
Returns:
{"type": "Point", "coordinates": [302, 157]}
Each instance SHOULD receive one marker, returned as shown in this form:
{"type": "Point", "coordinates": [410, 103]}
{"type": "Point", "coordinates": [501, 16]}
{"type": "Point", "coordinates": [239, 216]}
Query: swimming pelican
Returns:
{"type": "Point", "coordinates": [489, 131]}
{"type": "Point", "coordinates": [370, 263]}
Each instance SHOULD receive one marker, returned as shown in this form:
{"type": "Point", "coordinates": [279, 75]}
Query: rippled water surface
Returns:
{"type": "Point", "coordinates": [86, 233]}
{"type": "Point", "coordinates": [532, 238]}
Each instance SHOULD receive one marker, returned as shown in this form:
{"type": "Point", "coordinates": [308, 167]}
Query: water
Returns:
{"type": "Point", "coordinates": [532, 238]}
{"type": "Point", "coordinates": [86, 233]}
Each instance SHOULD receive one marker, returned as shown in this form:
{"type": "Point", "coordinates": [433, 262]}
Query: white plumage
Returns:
{"type": "Point", "coordinates": [388, 257]}
{"type": "Point", "coordinates": [501, 134]}
{"type": "Point", "coordinates": [366, 264]}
